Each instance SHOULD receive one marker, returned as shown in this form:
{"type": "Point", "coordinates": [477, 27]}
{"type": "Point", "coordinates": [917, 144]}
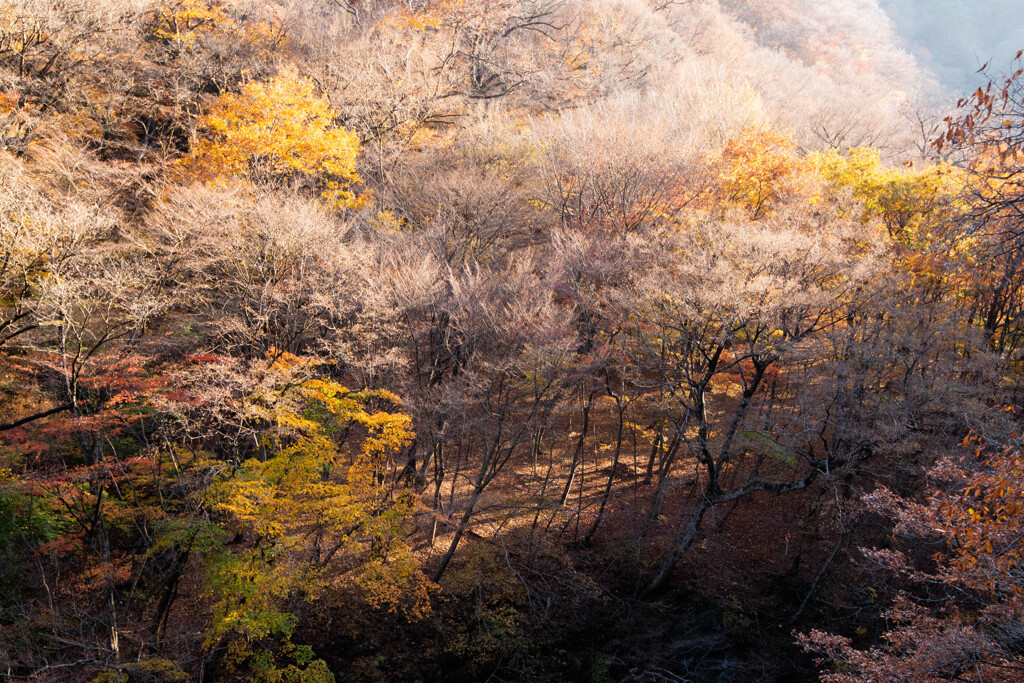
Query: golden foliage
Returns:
{"type": "Point", "coordinates": [278, 132]}
{"type": "Point", "coordinates": [909, 201]}
{"type": "Point", "coordinates": [761, 168]}
{"type": "Point", "coordinates": [182, 21]}
{"type": "Point", "coordinates": [308, 498]}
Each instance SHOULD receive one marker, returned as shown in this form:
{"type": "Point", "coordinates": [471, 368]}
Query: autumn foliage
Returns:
{"type": "Point", "coordinates": [279, 132]}
{"type": "Point", "coordinates": [974, 518]}
{"type": "Point", "coordinates": [529, 340]}
{"type": "Point", "coordinates": [761, 170]}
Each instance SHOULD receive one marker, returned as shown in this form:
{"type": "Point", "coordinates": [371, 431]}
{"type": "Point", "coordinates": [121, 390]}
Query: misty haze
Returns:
{"type": "Point", "coordinates": [955, 38]}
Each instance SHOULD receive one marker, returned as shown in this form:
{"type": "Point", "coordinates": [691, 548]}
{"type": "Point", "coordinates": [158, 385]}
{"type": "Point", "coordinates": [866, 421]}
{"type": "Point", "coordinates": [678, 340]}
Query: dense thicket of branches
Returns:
{"type": "Point", "coordinates": [503, 340]}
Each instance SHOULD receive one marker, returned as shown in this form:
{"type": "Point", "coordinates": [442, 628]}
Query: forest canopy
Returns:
{"type": "Point", "coordinates": [507, 340]}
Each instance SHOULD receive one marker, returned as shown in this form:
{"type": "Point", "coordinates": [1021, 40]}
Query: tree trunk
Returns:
{"type": "Point", "coordinates": [611, 478]}
{"type": "Point", "coordinates": [579, 450]}
{"type": "Point", "coordinates": [459, 531]}
{"type": "Point", "coordinates": [682, 543]}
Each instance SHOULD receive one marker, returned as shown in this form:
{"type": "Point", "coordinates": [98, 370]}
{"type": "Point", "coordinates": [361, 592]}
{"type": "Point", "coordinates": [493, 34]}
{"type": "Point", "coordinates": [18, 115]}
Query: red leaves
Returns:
{"type": "Point", "coordinates": [61, 546]}
{"type": "Point", "coordinates": [205, 358]}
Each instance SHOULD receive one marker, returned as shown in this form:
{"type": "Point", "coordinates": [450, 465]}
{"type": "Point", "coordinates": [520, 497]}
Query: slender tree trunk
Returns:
{"type": "Point", "coordinates": [682, 543]}
{"type": "Point", "coordinates": [611, 477]}
{"type": "Point", "coordinates": [655, 449]}
{"type": "Point", "coordinates": [658, 499]}
{"type": "Point", "coordinates": [817, 579]}
{"type": "Point", "coordinates": [459, 532]}
{"type": "Point", "coordinates": [163, 610]}
{"type": "Point", "coordinates": [438, 480]}
{"type": "Point", "coordinates": [543, 493]}
{"type": "Point", "coordinates": [578, 453]}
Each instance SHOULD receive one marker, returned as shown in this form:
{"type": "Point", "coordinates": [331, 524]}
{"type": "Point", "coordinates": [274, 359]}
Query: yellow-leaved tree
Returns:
{"type": "Point", "coordinates": [918, 206]}
{"type": "Point", "coordinates": [909, 201]}
{"type": "Point", "coordinates": [181, 21]}
{"type": "Point", "coordinates": [322, 518]}
{"type": "Point", "coordinates": [278, 132]}
{"type": "Point", "coordinates": [761, 169]}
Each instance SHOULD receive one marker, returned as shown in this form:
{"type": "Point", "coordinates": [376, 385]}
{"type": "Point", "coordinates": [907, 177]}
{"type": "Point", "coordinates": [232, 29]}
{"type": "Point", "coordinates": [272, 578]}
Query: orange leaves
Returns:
{"type": "Point", "coordinates": [985, 520]}
{"type": "Point", "coordinates": [181, 21]}
{"type": "Point", "coordinates": [978, 515]}
{"type": "Point", "coordinates": [433, 14]}
{"type": "Point", "coordinates": [278, 132]}
{"type": "Point", "coordinates": [761, 168]}
{"type": "Point", "coordinates": [990, 129]}
{"type": "Point", "coordinates": [975, 125]}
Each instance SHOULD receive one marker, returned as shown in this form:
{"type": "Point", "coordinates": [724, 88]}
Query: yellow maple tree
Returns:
{"type": "Point", "coordinates": [316, 491]}
{"type": "Point", "coordinates": [278, 132]}
{"type": "Point", "coordinates": [182, 21]}
{"type": "Point", "coordinates": [917, 206]}
{"type": "Point", "coordinates": [761, 168]}
{"type": "Point", "coordinates": [909, 201]}
{"type": "Point", "coordinates": [315, 499]}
